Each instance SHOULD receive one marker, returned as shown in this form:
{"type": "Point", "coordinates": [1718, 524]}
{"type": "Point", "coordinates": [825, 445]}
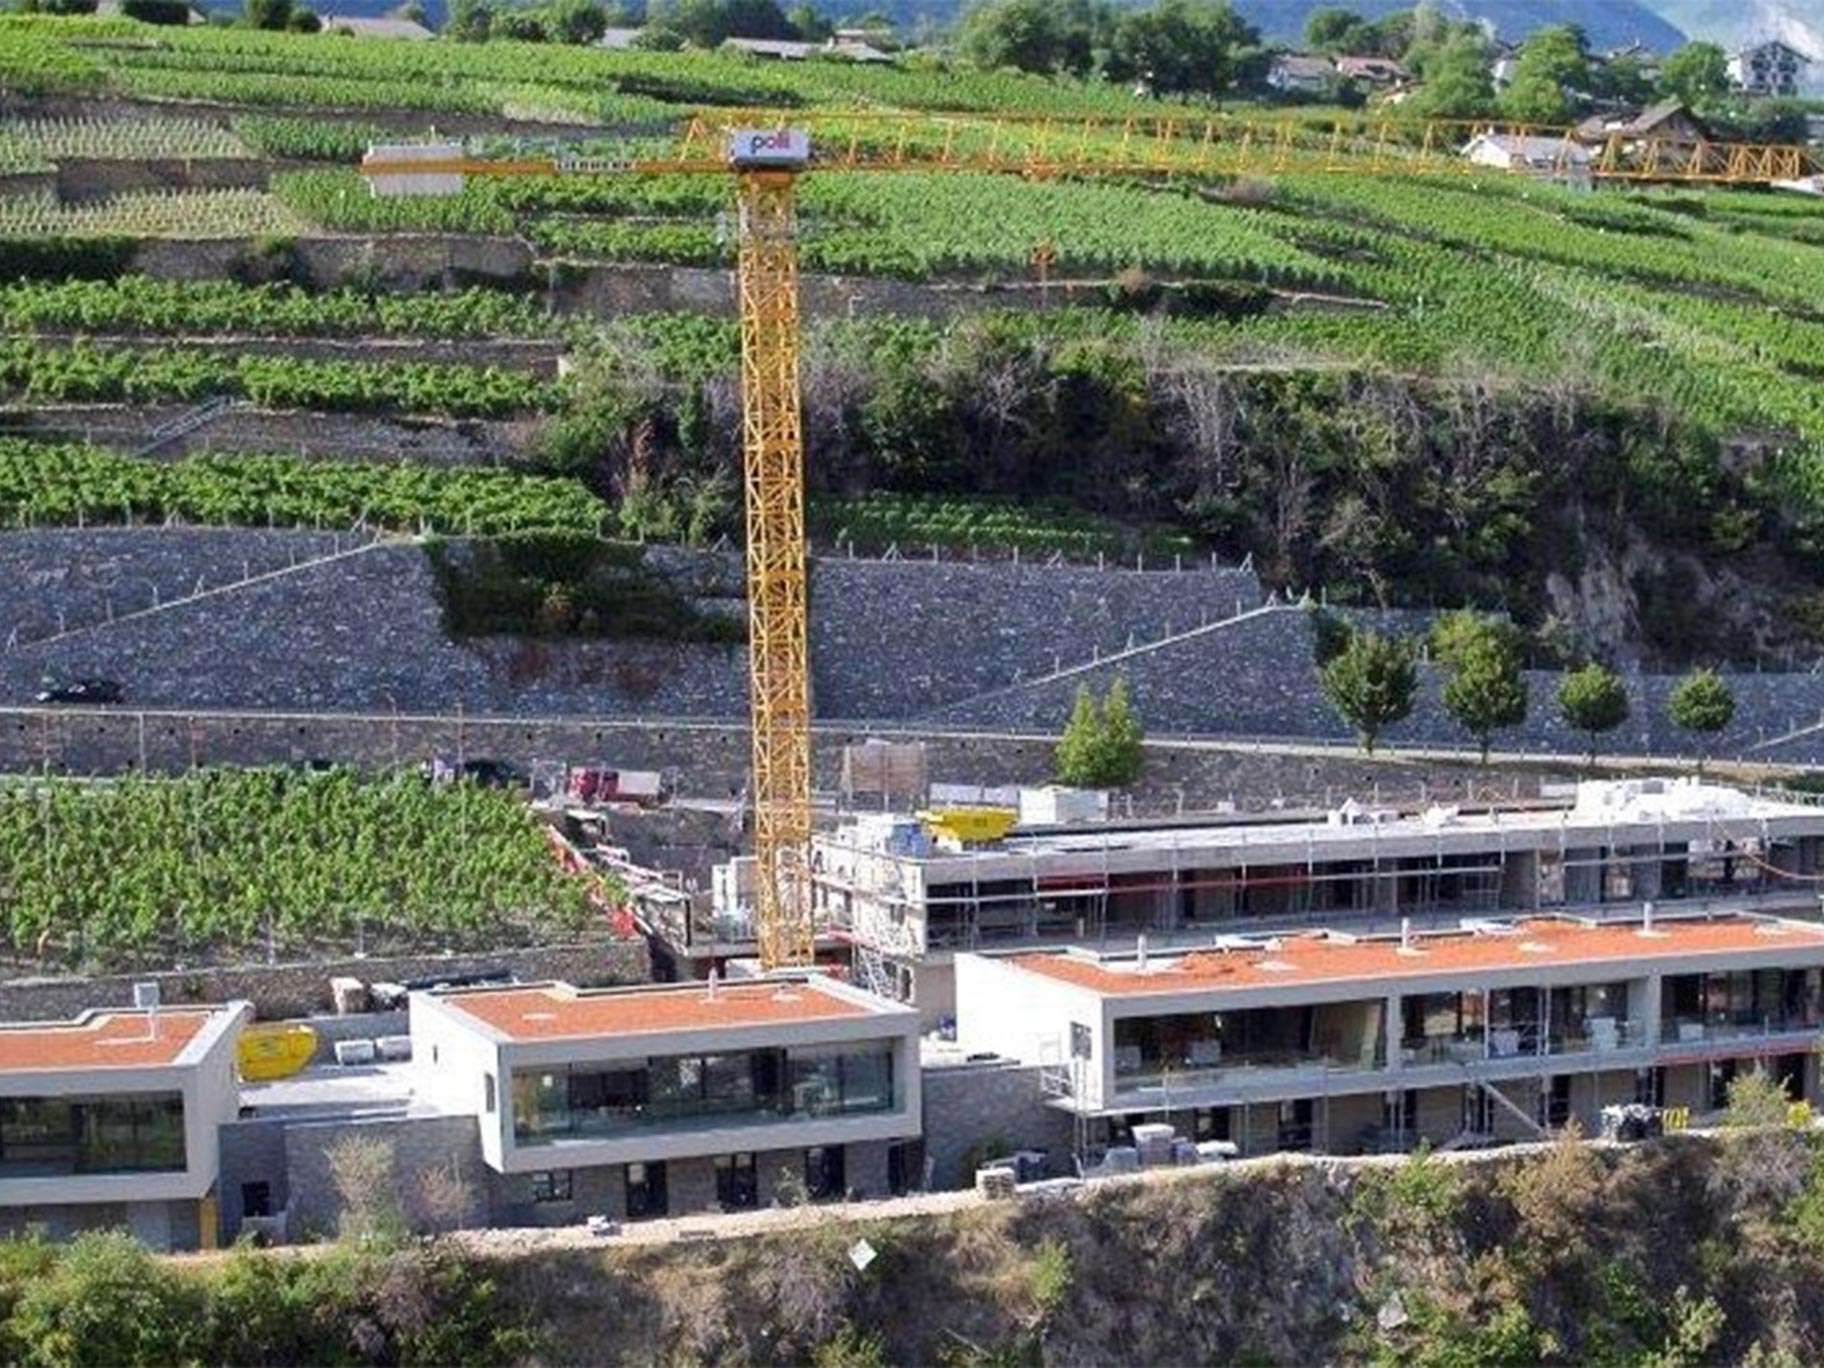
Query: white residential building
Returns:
{"type": "Point", "coordinates": [1488, 1031]}
{"type": "Point", "coordinates": [112, 1120]}
{"type": "Point", "coordinates": [1772, 69]}
{"type": "Point", "coordinates": [633, 1102]}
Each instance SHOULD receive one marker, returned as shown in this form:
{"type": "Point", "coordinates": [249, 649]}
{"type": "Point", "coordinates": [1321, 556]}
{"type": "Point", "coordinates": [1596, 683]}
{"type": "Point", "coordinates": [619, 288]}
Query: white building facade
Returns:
{"type": "Point", "coordinates": [112, 1120]}
{"type": "Point", "coordinates": [1491, 1031]}
{"type": "Point", "coordinates": [653, 1101]}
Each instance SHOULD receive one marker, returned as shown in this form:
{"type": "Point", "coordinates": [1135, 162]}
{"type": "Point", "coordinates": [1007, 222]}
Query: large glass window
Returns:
{"type": "Point", "coordinates": [742, 1086]}
{"type": "Point", "coordinates": [48, 1136]}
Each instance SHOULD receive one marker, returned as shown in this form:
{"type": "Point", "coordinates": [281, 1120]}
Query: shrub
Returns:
{"type": "Point", "coordinates": [107, 1301]}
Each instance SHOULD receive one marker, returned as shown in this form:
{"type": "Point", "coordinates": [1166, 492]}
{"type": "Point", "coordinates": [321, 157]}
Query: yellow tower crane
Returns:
{"type": "Point", "coordinates": [766, 152]}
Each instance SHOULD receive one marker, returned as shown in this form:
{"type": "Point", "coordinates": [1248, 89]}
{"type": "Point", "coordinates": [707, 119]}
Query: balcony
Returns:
{"type": "Point", "coordinates": [1699, 1030]}
{"type": "Point", "coordinates": [1241, 1069]}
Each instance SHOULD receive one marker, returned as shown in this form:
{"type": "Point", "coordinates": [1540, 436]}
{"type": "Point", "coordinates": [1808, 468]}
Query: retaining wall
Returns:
{"type": "Point", "coordinates": [283, 991]}
{"type": "Point", "coordinates": [325, 436]}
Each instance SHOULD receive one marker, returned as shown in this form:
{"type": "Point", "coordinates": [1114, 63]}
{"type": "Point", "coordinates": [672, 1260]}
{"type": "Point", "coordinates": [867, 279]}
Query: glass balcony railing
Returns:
{"type": "Point", "coordinates": [1698, 1030]}
{"type": "Point", "coordinates": [1151, 1077]}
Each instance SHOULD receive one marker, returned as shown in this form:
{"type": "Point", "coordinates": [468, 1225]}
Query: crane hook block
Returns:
{"type": "Point", "coordinates": [774, 149]}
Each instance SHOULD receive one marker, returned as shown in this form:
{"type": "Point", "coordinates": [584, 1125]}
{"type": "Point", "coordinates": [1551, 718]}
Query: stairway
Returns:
{"type": "Point", "coordinates": [185, 423]}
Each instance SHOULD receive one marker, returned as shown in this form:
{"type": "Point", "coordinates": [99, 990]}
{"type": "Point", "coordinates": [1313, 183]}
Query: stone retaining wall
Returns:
{"type": "Point", "coordinates": [711, 758]}
{"type": "Point", "coordinates": [323, 436]}
{"type": "Point", "coordinates": [284, 991]}
{"type": "Point", "coordinates": [538, 355]}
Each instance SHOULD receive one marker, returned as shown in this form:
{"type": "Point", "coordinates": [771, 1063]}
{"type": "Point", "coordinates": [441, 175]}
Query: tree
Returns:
{"type": "Point", "coordinates": [579, 22]}
{"type": "Point", "coordinates": [1702, 705]}
{"type": "Point", "coordinates": [1457, 635]}
{"type": "Point", "coordinates": [108, 1301]}
{"type": "Point", "coordinates": [1697, 74]}
{"type": "Point", "coordinates": [266, 14]}
{"type": "Point", "coordinates": [1334, 30]}
{"type": "Point", "coordinates": [1623, 80]}
{"type": "Point", "coordinates": [303, 21]}
{"type": "Point", "coordinates": [1593, 700]}
{"type": "Point", "coordinates": [1178, 46]}
{"type": "Point", "coordinates": [1458, 83]}
{"type": "Point", "coordinates": [1485, 692]}
{"type": "Point", "coordinates": [810, 24]}
{"type": "Point", "coordinates": [1032, 35]}
{"type": "Point", "coordinates": [1553, 69]}
{"type": "Point", "coordinates": [710, 23]}
{"type": "Point", "coordinates": [1371, 683]}
{"type": "Point", "coordinates": [1123, 740]}
{"type": "Point", "coordinates": [470, 21]}
{"type": "Point", "coordinates": [1102, 744]}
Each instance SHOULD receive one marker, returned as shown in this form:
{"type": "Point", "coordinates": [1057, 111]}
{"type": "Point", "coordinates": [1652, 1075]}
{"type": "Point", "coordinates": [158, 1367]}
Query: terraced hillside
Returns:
{"type": "Point", "coordinates": [1602, 412]}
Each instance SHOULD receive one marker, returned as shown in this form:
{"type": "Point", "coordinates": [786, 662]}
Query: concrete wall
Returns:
{"type": "Point", "coordinates": [295, 990]}
{"type": "Point", "coordinates": [969, 1107]}
{"type": "Point", "coordinates": [160, 1225]}
{"type": "Point", "coordinates": [414, 1144]}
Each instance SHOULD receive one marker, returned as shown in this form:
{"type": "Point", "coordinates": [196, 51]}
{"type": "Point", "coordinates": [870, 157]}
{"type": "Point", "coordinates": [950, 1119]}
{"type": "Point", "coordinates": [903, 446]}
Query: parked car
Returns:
{"type": "Point", "coordinates": [84, 691]}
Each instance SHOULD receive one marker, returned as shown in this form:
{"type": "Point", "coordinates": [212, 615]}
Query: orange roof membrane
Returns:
{"type": "Point", "coordinates": [1315, 958]}
{"type": "Point", "coordinates": [104, 1040]}
{"type": "Point", "coordinates": [557, 1011]}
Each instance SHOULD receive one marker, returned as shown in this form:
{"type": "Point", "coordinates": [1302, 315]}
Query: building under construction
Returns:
{"type": "Point", "coordinates": [910, 896]}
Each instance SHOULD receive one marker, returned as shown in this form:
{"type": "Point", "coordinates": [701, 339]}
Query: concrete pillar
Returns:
{"type": "Point", "coordinates": [1644, 997]}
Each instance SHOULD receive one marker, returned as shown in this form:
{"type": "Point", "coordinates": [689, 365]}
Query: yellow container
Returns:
{"type": "Point", "coordinates": [275, 1051]}
{"type": "Point", "coordinates": [970, 825]}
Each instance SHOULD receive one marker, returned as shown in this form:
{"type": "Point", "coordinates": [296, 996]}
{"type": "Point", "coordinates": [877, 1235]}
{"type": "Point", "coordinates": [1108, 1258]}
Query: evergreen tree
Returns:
{"type": "Point", "coordinates": [1074, 761]}
{"type": "Point", "coordinates": [1593, 700]}
{"type": "Point", "coordinates": [1102, 743]}
{"type": "Point", "coordinates": [1702, 705]}
{"type": "Point", "coordinates": [1371, 683]}
{"type": "Point", "coordinates": [1123, 749]}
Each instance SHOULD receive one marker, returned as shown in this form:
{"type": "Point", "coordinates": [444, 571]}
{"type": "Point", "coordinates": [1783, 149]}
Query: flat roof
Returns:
{"type": "Point", "coordinates": [1327, 958]}
{"type": "Point", "coordinates": [1600, 807]}
{"type": "Point", "coordinates": [125, 1038]}
{"type": "Point", "coordinates": [557, 1011]}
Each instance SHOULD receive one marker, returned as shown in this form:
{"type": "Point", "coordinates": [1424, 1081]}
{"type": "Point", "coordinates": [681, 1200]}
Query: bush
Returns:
{"type": "Point", "coordinates": [107, 1301]}
{"type": "Point", "coordinates": [304, 21]}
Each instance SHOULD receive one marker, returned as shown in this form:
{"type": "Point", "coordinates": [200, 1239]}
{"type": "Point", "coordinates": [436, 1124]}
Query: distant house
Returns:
{"type": "Point", "coordinates": [777, 50]}
{"type": "Point", "coordinates": [1375, 71]}
{"type": "Point", "coordinates": [1294, 73]}
{"type": "Point", "coordinates": [1640, 54]}
{"type": "Point", "coordinates": [1548, 158]}
{"type": "Point", "coordinates": [1771, 69]}
{"type": "Point", "coordinates": [618, 39]}
{"type": "Point", "coordinates": [406, 30]}
{"type": "Point", "coordinates": [1667, 121]}
{"type": "Point", "coordinates": [856, 50]}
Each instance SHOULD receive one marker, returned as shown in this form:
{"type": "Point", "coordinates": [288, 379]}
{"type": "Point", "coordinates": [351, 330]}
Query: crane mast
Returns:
{"type": "Point", "coordinates": [778, 652]}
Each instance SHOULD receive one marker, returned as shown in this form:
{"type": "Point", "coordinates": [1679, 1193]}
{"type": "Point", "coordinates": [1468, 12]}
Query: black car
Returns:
{"type": "Point", "coordinates": [84, 691]}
